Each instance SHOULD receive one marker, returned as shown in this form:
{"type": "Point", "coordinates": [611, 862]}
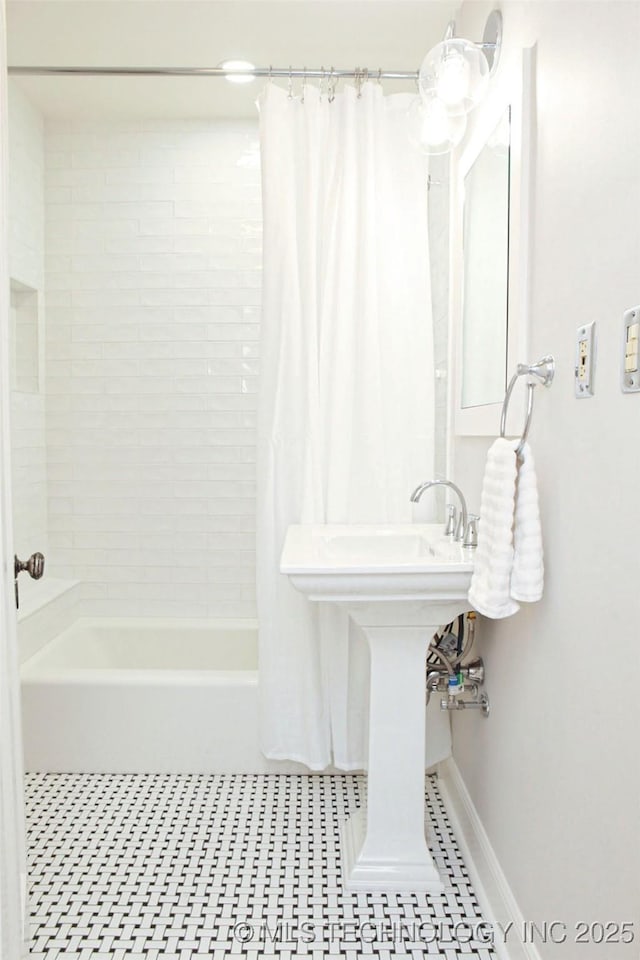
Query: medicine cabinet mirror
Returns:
{"type": "Point", "coordinates": [485, 245]}
{"type": "Point", "coordinates": [490, 200]}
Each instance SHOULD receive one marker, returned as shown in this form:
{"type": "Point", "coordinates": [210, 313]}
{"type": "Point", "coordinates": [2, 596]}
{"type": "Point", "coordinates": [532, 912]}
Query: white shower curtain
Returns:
{"type": "Point", "coordinates": [346, 411]}
{"type": "Point", "coordinates": [12, 847]}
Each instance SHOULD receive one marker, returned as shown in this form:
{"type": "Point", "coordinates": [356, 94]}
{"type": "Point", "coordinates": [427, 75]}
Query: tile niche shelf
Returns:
{"type": "Point", "coordinates": [25, 339]}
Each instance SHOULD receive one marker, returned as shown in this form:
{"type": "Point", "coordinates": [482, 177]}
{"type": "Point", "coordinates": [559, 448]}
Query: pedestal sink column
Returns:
{"type": "Point", "coordinates": [399, 583]}
{"type": "Point", "coordinates": [384, 846]}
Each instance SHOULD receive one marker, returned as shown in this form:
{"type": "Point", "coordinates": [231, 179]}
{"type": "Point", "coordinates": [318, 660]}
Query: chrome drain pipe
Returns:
{"type": "Point", "coordinates": [453, 675]}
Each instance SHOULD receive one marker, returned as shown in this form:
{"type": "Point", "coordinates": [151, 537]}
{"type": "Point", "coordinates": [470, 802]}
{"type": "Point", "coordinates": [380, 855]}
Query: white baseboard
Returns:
{"type": "Point", "coordinates": [498, 904]}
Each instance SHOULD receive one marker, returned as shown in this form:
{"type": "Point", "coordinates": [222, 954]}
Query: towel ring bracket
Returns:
{"type": "Point", "coordinates": [542, 372]}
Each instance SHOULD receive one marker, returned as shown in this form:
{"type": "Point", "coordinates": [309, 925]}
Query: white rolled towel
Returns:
{"type": "Point", "coordinates": [490, 590]}
{"type": "Point", "coordinates": [527, 577]}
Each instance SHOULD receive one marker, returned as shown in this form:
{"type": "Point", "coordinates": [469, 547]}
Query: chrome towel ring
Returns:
{"type": "Point", "coordinates": [543, 371]}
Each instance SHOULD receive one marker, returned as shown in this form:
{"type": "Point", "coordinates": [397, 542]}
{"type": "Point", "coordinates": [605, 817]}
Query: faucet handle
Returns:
{"type": "Point", "coordinates": [450, 528]}
{"type": "Point", "coordinates": [471, 533]}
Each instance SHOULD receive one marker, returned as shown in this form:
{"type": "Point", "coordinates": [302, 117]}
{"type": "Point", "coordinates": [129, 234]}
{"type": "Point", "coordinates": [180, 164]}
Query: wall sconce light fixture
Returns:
{"type": "Point", "coordinates": [452, 80]}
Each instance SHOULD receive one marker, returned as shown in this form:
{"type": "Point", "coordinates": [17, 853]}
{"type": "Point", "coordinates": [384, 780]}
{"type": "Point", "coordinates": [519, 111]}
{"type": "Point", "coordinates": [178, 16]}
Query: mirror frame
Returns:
{"type": "Point", "coordinates": [515, 89]}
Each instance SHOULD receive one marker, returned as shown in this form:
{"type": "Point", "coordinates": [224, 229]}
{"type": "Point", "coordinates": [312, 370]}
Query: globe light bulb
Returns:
{"type": "Point", "coordinates": [432, 129]}
{"type": "Point", "coordinates": [454, 80]}
{"type": "Point", "coordinates": [457, 73]}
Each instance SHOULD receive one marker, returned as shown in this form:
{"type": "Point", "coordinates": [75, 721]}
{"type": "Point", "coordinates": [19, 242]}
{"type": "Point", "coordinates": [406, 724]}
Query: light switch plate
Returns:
{"type": "Point", "coordinates": [585, 360]}
{"type": "Point", "coordinates": [630, 377]}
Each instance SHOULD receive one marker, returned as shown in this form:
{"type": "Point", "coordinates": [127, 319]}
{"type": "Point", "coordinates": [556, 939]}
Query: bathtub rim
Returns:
{"type": "Point", "coordinates": [130, 677]}
{"type": "Point", "coordinates": [32, 672]}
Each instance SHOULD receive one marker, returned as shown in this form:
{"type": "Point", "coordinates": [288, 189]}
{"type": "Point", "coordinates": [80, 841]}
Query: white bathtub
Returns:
{"type": "Point", "coordinates": [145, 696]}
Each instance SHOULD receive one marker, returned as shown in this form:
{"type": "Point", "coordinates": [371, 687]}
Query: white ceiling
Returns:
{"type": "Point", "coordinates": [392, 34]}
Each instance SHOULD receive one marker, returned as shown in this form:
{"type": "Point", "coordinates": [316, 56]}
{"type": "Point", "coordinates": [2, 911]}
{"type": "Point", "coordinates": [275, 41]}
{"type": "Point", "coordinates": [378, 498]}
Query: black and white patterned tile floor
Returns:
{"type": "Point", "coordinates": [138, 867]}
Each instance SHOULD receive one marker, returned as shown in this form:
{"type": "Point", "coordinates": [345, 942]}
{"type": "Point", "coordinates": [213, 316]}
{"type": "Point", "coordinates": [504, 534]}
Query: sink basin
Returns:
{"type": "Point", "coordinates": [385, 546]}
{"type": "Point", "coordinates": [399, 582]}
{"type": "Point", "coordinates": [383, 561]}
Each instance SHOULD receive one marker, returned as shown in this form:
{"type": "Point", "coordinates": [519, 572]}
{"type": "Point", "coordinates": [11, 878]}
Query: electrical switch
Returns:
{"type": "Point", "coordinates": [585, 360]}
{"type": "Point", "coordinates": [630, 357]}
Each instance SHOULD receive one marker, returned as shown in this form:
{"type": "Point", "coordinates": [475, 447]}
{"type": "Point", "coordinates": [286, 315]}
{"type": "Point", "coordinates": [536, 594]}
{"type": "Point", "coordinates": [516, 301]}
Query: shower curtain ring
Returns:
{"type": "Point", "coordinates": [332, 86]}
{"type": "Point", "coordinates": [304, 83]}
{"type": "Point", "coordinates": [379, 77]}
{"type": "Point", "coordinates": [270, 74]}
{"type": "Point", "coordinates": [358, 80]}
{"type": "Point", "coordinates": [290, 95]}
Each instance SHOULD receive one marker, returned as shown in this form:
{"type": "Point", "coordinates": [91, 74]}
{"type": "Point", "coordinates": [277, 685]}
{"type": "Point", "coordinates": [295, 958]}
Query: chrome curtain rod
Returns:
{"type": "Point", "coordinates": [359, 73]}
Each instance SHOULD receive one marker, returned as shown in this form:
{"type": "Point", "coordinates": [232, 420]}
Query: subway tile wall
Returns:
{"type": "Point", "coordinates": [153, 239]}
{"type": "Point", "coordinates": [26, 269]}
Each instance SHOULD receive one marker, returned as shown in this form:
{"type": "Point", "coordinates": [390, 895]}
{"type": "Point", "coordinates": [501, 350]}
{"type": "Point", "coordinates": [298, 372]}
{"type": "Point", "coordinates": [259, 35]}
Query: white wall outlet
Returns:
{"type": "Point", "coordinates": [630, 359]}
{"type": "Point", "coordinates": [585, 360]}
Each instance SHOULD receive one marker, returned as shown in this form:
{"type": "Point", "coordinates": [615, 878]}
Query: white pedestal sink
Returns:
{"type": "Point", "coordinates": [399, 582]}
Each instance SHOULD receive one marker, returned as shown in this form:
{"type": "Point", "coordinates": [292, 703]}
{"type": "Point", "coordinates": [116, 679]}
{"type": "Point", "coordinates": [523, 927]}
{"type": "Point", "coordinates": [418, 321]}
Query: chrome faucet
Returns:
{"type": "Point", "coordinates": [466, 531]}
